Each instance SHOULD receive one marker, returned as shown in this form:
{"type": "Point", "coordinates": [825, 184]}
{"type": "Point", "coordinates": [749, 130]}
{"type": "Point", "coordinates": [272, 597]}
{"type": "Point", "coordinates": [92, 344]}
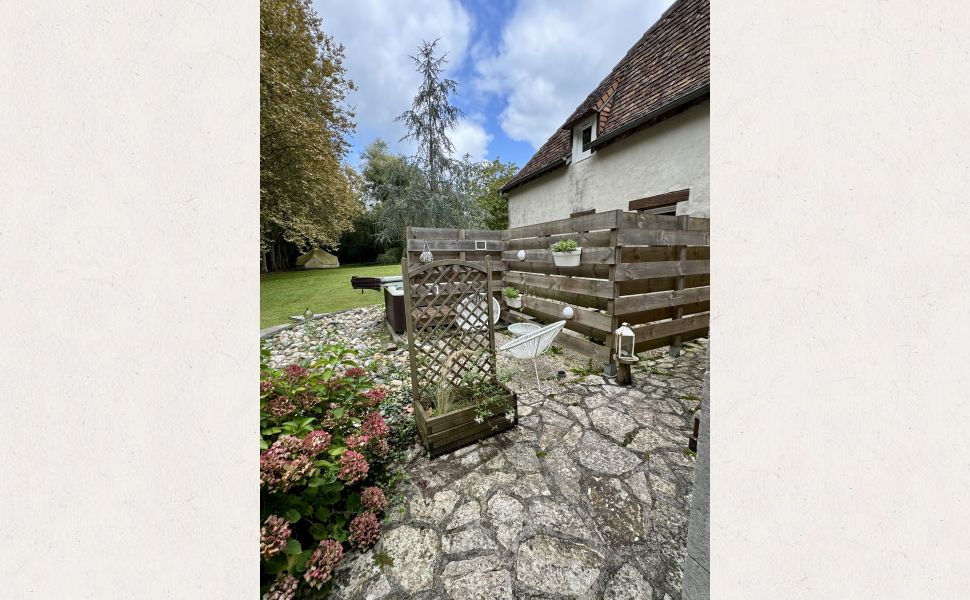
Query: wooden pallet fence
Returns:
{"type": "Point", "coordinates": [652, 271]}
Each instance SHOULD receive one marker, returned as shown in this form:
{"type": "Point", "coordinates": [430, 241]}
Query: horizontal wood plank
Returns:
{"type": "Point", "coordinates": [417, 245]}
{"type": "Point", "coordinates": [606, 220]}
{"type": "Point", "coordinates": [662, 237]}
{"type": "Point", "coordinates": [580, 344]}
{"type": "Point", "coordinates": [672, 327]}
{"type": "Point", "coordinates": [576, 285]}
{"type": "Point", "coordinates": [589, 239]}
{"type": "Point", "coordinates": [589, 270]}
{"type": "Point", "coordinates": [660, 284]}
{"type": "Point", "coordinates": [641, 302]}
{"type": "Point", "coordinates": [632, 220]}
{"type": "Point", "coordinates": [667, 268]}
{"type": "Point", "coordinates": [633, 254]}
{"type": "Point", "coordinates": [662, 314]}
{"type": "Point", "coordinates": [582, 316]}
{"type": "Point", "coordinates": [435, 233]}
{"type": "Point", "coordinates": [588, 256]}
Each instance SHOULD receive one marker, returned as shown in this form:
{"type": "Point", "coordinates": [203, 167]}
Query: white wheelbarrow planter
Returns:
{"type": "Point", "coordinates": [567, 259]}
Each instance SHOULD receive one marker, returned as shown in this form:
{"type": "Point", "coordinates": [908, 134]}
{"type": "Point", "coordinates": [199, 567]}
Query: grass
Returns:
{"type": "Point", "coordinates": [282, 295]}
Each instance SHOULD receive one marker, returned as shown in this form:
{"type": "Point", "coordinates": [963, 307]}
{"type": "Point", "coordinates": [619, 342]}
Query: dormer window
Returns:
{"type": "Point", "coordinates": [583, 133]}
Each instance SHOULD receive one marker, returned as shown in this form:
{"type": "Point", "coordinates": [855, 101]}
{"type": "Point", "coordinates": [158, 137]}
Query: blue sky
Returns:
{"type": "Point", "coordinates": [521, 66]}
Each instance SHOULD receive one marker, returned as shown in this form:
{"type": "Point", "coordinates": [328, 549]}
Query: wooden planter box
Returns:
{"type": "Point", "coordinates": [451, 431]}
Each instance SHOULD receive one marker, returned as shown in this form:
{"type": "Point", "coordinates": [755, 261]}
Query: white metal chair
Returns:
{"type": "Point", "coordinates": [532, 345]}
{"type": "Point", "coordinates": [471, 312]}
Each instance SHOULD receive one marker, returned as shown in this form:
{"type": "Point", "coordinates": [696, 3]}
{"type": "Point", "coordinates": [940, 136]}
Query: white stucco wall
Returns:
{"type": "Point", "coordinates": [672, 155]}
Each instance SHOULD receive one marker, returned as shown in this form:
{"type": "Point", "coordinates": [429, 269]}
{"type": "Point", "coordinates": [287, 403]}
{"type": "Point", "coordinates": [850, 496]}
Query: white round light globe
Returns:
{"type": "Point", "coordinates": [567, 312]}
{"type": "Point", "coordinates": [521, 254]}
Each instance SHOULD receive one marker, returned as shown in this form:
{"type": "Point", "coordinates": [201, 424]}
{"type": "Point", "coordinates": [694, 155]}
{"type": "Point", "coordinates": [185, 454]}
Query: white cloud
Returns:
{"type": "Point", "coordinates": [469, 137]}
{"type": "Point", "coordinates": [378, 37]}
{"type": "Point", "coordinates": [553, 53]}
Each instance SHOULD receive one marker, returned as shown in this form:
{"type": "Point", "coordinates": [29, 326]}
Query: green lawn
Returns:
{"type": "Point", "coordinates": [282, 295]}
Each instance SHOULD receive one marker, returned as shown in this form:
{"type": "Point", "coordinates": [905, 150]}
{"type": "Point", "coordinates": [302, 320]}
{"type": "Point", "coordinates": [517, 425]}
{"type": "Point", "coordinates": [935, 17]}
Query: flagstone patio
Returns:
{"type": "Point", "coordinates": [587, 498]}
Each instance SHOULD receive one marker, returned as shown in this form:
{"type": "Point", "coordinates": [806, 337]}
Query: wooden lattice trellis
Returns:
{"type": "Point", "coordinates": [450, 327]}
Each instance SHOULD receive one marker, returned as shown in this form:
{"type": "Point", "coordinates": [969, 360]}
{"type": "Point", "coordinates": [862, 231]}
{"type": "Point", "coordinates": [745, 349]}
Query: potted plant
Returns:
{"type": "Point", "coordinates": [565, 253]}
{"type": "Point", "coordinates": [512, 297]}
{"type": "Point", "coordinates": [466, 409]}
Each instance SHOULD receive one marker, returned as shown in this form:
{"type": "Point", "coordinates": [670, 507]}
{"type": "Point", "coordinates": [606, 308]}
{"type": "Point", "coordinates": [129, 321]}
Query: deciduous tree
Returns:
{"type": "Point", "coordinates": [308, 195]}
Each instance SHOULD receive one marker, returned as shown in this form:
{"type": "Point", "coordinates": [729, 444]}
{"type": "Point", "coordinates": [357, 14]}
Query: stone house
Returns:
{"type": "Point", "coordinates": [639, 141]}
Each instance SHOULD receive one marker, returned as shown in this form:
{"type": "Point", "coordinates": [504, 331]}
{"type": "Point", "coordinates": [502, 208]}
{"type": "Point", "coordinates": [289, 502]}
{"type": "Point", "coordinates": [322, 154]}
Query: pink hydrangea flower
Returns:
{"type": "Point", "coordinates": [319, 569]}
{"type": "Point", "coordinates": [373, 499]}
{"type": "Point", "coordinates": [316, 442]}
{"type": "Point", "coordinates": [357, 442]}
{"type": "Point", "coordinates": [374, 426]}
{"type": "Point", "coordinates": [353, 467]}
{"type": "Point", "coordinates": [265, 387]}
{"type": "Point", "coordinates": [272, 536]}
{"type": "Point", "coordinates": [280, 407]}
{"type": "Point", "coordinates": [365, 530]}
{"type": "Point", "coordinates": [356, 372]}
{"type": "Point", "coordinates": [380, 447]}
{"type": "Point", "coordinates": [284, 464]}
{"type": "Point", "coordinates": [307, 400]}
{"type": "Point", "coordinates": [295, 372]}
{"type": "Point", "coordinates": [284, 588]}
{"type": "Point", "coordinates": [376, 395]}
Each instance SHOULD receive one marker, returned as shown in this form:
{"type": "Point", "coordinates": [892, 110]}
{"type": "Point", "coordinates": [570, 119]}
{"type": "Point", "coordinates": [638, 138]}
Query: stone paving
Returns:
{"type": "Point", "coordinates": [587, 498]}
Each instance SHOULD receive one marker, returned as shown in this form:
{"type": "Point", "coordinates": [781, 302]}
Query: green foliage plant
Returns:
{"type": "Point", "coordinates": [566, 245]}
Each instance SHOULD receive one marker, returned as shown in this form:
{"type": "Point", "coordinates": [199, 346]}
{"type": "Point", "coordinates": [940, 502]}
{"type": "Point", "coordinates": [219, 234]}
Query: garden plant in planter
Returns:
{"type": "Point", "coordinates": [451, 340]}
{"type": "Point", "coordinates": [512, 297]}
{"type": "Point", "coordinates": [565, 253]}
{"type": "Point", "coordinates": [323, 447]}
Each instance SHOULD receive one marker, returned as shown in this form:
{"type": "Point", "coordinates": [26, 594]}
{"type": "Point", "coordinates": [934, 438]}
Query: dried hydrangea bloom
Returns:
{"type": "Point", "coordinates": [316, 442]}
{"type": "Point", "coordinates": [356, 372]}
{"type": "Point", "coordinates": [280, 407]}
{"type": "Point", "coordinates": [374, 426]}
{"type": "Point", "coordinates": [373, 499]}
{"type": "Point", "coordinates": [380, 447]}
{"type": "Point", "coordinates": [284, 588]}
{"type": "Point", "coordinates": [295, 372]}
{"type": "Point", "coordinates": [353, 467]}
{"type": "Point", "coordinates": [284, 464]}
{"type": "Point", "coordinates": [272, 536]}
{"type": "Point", "coordinates": [265, 387]}
{"type": "Point", "coordinates": [307, 400]}
{"type": "Point", "coordinates": [376, 395]}
{"type": "Point", "coordinates": [356, 442]}
{"type": "Point", "coordinates": [319, 569]}
{"type": "Point", "coordinates": [365, 530]}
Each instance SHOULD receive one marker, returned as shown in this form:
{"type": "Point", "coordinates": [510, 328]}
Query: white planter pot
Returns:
{"type": "Point", "coordinates": [567, 259]}
{"type": "Point", "coordinates": [514, 302]}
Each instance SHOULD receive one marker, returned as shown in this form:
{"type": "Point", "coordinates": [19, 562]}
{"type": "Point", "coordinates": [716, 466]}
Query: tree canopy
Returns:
{"type": "Point", "coordinates": [308, 194]}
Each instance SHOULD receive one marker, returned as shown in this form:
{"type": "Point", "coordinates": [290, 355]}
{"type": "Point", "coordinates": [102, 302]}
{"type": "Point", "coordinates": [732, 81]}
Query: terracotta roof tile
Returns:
{"type": "Point", "coordinates": [671, 59]}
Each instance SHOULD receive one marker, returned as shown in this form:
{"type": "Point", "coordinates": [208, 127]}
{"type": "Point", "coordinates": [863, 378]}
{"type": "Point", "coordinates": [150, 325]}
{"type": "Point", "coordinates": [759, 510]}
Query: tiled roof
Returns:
{"type": "Point", "coordinates": [670, 60]}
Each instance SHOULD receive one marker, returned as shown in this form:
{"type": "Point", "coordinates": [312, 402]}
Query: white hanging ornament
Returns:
{"type": "Point", "coordinates": [567, 313]}
{"type": "Point", "coordinates": [426, 256]}
{"type": "Point", "coordinates": [521, 255]}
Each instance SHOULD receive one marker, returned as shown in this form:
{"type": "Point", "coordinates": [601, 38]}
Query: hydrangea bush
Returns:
{"type": "Point", "coordinates": [323, 447]}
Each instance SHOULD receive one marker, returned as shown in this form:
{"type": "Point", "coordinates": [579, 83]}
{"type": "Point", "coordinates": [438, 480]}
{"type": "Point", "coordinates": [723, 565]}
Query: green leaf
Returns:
{"type": "Point", "coordinates": [322, 513]}
{"type": "Point", "coordinates": [330, 498]}
{"type": "Point", "coordinates": [292, 547]}
{"type": "Point", "coordinates": [338, 412]}
{"type": "Point", "coordinates": [315, 482]}
{"type": "Point", "coordinates": [292, 515]}
{"type": "Point", "coordinates": [300, 563]}
{"type": "Point", "coordinates": [319, 532]}
{"type": "Point", "coordinates": [336, 451]}
{"type": "Point", "coordinates": [353, 503]}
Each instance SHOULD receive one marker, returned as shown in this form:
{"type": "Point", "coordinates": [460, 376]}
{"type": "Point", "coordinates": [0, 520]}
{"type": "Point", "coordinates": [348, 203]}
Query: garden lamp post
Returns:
{"type": "Point", "coordinates": [624, 341]}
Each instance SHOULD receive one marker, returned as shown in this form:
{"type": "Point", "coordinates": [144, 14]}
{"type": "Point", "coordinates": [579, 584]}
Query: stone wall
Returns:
{"type": "Point", "coordinates": [697, 564]}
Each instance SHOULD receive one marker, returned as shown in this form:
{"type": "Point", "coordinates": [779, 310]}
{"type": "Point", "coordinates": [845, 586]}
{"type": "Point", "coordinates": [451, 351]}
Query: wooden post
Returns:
{"type": "Point", "coordinates": [612, 367]}
{"type": "Point", "coordinates": [624, 375]}
{"type": "Point", "coordinates": [679, 285]}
